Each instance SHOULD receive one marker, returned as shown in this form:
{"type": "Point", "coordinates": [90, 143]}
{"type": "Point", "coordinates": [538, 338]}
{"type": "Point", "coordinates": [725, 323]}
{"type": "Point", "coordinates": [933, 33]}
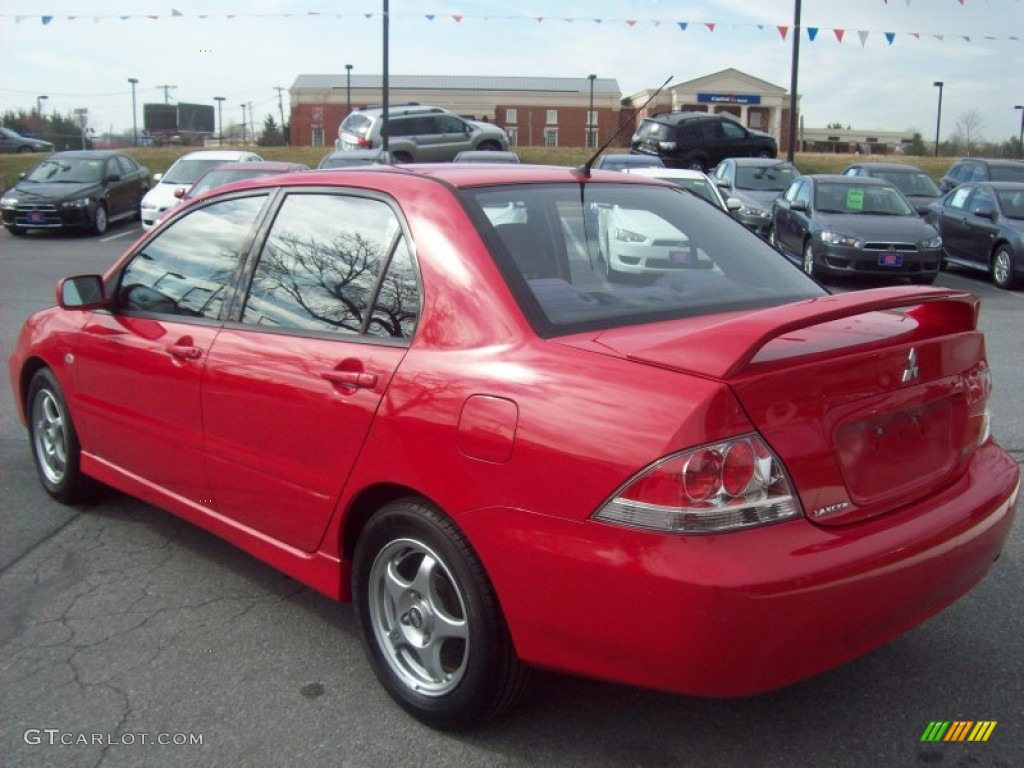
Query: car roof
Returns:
{"type": "Point", "coordinates": [675, 117]}
{"type": "Point", "coordinates": [872, 166]}
{"type": "Point", "coordinates": [839, 178]}
{"type": "Point", "coordinates": [999, 186]}
{"type": "Point", "coordinates": [666, 173]}
{"type": "Point", "coordinates": [989, 161]}
{"type": "Point", "coordinates": [215, 154]}
{"type": "Point", "coordinates": [766, 162]}
{"type": "Point", "coordinates": [263, 167]}
{"type": "Point", "coordinates": [87, 153]}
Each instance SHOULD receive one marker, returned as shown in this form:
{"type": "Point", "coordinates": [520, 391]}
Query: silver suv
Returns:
{"type": "Point", "coordinates": [418, 133]}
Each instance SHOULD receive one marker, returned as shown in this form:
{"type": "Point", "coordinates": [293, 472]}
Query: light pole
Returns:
{"type": "Point", "coordinates": [348, 89]}
{"type": "Point", "coordinates": [135, 126]}
{"type": "Point", "coordinates": [39, 106]}
{"type": "Point", "coordinates": [590, 111]}
{"type": "Point", "coordinates": [938, 116]}
{"type": "Point", "coordinates": [1020, 141]}
{"type": "Point", "coordinates": [243, 125]}
{"type": "Point", "coordinates": [220, 118]}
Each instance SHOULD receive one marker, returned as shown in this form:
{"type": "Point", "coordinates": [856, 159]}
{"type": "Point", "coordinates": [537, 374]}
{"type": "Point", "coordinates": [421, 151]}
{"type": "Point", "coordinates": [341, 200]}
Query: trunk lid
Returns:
{"type": "Point", "coordinates": [871, 399]}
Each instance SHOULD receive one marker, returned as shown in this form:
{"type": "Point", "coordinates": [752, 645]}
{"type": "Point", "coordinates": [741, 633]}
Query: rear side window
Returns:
{"type": "Point", "coordinates": [1008, 173]}
{"type": "Point", "coordinates": [322, 266]}
{"type": "Point", "coordinates": [601, 255]}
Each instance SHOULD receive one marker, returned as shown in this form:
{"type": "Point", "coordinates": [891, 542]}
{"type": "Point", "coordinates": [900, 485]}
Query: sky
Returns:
{"type": "Point", "coordinates": [878, 77]}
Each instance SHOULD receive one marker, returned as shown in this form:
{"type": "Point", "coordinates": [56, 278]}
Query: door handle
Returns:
{"type": "Point", "coordinates": [184, 351]}
{"type": "Point", "coordinates": [356, 379]}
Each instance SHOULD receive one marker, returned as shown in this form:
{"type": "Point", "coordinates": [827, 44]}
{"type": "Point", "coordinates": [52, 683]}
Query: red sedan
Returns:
{"type": "Point", "coordinates": [416, 388]}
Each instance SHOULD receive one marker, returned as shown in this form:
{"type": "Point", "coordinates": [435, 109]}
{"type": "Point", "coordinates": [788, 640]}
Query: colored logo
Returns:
{"type": "Point", "coordinates": [958, 730]}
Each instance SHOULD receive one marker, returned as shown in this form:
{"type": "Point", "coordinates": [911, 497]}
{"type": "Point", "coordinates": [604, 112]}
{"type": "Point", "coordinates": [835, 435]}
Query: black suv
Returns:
{"type": "Point", "coordinates": [699, 140]}
{"type": "Point", "coordinates": [980, 169]}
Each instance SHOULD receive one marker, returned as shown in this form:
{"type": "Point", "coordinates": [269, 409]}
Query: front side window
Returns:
{"type": "Point", "coordinates": [450, 124]}
{"type": "Point", "coordinates": [188, 268]}
{"type": "Point", "coordinates": [320, 266]}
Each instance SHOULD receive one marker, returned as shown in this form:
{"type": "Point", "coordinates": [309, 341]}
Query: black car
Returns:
{"type": "Point", "coordinates": [83, 189]}
{"type": "Point", "coordinates": [981, 169]}
{"type": "Point", "coordinates": [699, 140]}
{"type": "Point", "coordinates": [982, 227]}
{"type": "Point", "coordinates": [12, 141]}
{"type": "Point", "coordinates": [917, 186]}
{"type": "Point", "coordinates": [834, 225]}
{"type": "Point", "coordinates": [755, 182]}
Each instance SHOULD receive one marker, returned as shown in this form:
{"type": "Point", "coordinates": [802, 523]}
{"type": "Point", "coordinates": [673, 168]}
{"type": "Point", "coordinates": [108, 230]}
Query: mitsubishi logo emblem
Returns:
{"type": "Point", "coordinates": [911, 372]}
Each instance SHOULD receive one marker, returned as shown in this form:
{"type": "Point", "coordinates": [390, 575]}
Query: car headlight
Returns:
{"type": "Point", "coordinates": [834, 238]}
{"type": "Point", "coordinates": [9, 203]}
{"type": "Point", "coordinates": [750, 210]}
{"type": "Point", "coordinates": [627, 236]}
{"type": "Point", "coordinates": [82, 202]}
{"type": "Point", "coordinates": [935, 242]}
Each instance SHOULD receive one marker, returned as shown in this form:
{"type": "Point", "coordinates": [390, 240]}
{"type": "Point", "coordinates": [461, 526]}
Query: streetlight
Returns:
{"type": "Point", "coordinates": [243, 125]}
{"type": "Point", "coordinates": [135, 126]}
{"type": "Point", "coordinates": [1020, 141]}
{"type": "Point", "coordinates": [938, 116]}
{"type": "Point", "coordinates": [39, 105]}
{"type": "Point", "coordinates": [348, 89]}
{"type": "Point", "coordinates": [590, 111]}
{"type": "Point", "coordinates": [220, 118]}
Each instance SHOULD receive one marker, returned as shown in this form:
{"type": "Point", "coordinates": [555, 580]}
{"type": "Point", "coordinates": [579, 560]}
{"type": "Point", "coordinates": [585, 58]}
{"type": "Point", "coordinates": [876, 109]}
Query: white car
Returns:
{"type": "Point", "coordinates": [695, 181]}
{"type": "Point", "coordinates": [182, 173]}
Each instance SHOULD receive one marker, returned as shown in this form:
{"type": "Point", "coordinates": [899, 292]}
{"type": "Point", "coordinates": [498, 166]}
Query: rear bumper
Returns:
{"type": "Point", "coordinates": [737, 614]}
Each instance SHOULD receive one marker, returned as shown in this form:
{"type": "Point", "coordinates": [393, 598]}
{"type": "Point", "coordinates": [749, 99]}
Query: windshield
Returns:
{"type": "Point", "coordinates": [700, 187]}
{"type": "Point", "coordinates": [911, 183]}
{"type": "Point", "coordinates": [187, 170]}
{"type": "Point", "coordinates": [1012, 202]}
{"type": "Point", "coordinates": [769, 178]}
{"type": "Point", "coordinates": [216, 177]}
{"type": "Point", "coordinates": [859, 199]}
{"type": "Point", "coordinates": [602, 255]}
{"type": "Point", "coordinates": [67, 170]}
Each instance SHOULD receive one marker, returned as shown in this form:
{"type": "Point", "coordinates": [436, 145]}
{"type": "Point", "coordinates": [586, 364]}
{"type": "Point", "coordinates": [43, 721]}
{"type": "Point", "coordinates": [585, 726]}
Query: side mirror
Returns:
{"type": "Point", "coordinates": [923, 209]}
{"type": "Point", "coordinates": [721, 183]}
{"type": "Point", "coordinates": [986, 212]}
{"type": "Point", "coordinates": [733, 204]}
{"type": "Point", "coordinates": [157, 176]}
{"type": "Point", "coordinates": [22, 175]}
{"type": "Point", "coordinates": [798, 205]}
{"type": "Point", "coordinates": [111, 178]}
{"type": "Point", "coordinates": [180, 193]}
{"type": "Point", "coordinates": [81, 292]}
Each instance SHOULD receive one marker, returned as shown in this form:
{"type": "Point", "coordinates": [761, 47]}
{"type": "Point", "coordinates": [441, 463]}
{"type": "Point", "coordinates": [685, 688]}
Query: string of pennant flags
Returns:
{"type": "Point", "coordinates": [839, 34]}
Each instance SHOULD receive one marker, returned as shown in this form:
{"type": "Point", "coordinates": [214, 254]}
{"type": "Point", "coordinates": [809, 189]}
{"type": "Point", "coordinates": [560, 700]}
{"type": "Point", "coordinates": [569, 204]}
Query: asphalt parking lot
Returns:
{"type": "Point", "coordinates": [131, 638]}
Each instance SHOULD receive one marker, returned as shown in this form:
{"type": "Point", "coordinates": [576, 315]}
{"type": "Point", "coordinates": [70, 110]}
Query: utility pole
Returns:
{"type": "Point", "coordinates": [793, 101]}
{"type": "Point", "coordinates": [243, 124]}
{"type": "Point", "coordinates": [167, 92]}
{"type": "Point", "coordinates": [280, 107]}
{"type": "Point", "coordinates": [135, 126]}
{"type": "Point", "coordinates": [220, 117]}
{"type": "Point", "coordinates": [252, 123]}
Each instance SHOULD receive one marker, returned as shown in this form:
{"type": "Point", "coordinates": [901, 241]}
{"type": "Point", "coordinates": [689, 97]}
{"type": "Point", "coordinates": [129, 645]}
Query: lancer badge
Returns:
{"type": "Point", "coordinates": [911, 372]}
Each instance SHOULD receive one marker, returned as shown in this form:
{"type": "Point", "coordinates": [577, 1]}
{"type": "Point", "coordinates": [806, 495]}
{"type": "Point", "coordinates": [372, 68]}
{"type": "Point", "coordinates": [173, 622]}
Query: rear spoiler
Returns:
{"type": "Point", "coordinates": [725, 349]}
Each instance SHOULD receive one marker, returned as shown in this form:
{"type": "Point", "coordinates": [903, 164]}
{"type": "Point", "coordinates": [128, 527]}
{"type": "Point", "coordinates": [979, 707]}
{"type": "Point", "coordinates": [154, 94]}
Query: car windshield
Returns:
{"type": "Point", "coordinates": [1012, 202]}
{"type": "Point", "coordinates": [700, 187]}
{"type": "Point", "coordinates": [911, 182]}
{"type": "Point", "coordinates": [873, 200]}
{"type": "Point", "coordinates": [1007, 172]}
{"type": "Point", "coordinates": [768, 178]}
{"type": "Point", "coordinates": [551, 242]}
{"type": "Point", "coordinates": [217, 177]}
{"type": "Point", "coordinates": [67, 170]}
{"type": "Point", "coordinates": [187, 170]}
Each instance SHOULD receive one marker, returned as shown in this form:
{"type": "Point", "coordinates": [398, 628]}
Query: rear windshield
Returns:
{"type": "Point", "coordinates": [1007, 172]}
{"type": "Point", "coordinates": [356, 123]}
{"type": "Point", "coordinates": [649, 129]}
{"type": "Point", "coordinates": [911, 182]}
{"type": "Point", "coordinates": [766, 178]}
{"type": "Point", "coordinates": [603, 255]}
{"type": "Point", "coordinates": [186, 171]}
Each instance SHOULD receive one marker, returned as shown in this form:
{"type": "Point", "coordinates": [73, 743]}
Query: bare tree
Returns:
{"type": "Point", "coordinates": [969, 128]}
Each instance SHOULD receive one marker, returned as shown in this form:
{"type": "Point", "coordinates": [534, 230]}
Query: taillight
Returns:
{"type": "Point", "coordinates": [726, 486]}
{"type": "Point", "coordinates": [364, 143]}
{"type": "Point", "coordinates": [978, 387]}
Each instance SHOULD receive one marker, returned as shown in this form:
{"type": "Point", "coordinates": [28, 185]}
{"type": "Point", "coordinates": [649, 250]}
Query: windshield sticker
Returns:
{"type": "Point", "coordinates": [855, 199]}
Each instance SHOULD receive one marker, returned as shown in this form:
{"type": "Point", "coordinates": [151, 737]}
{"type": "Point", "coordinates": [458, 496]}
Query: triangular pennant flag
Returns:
{"type": "Point", "coordinates": [457, 17]}
{"type": "Point", "coordinates": [966, 38]}
{"type": "Point", "coordinates": [839, 34]}
{"type": "Point", "coordinates": [367, 15]}
{"type": "Point", "coordinates": [783, 30]}
{"type": "Point", "coordinates": [175, 12]}
{"type": "Point", "coordinates": [812, 32]}
{"type": "Point", "coordinates": [939, 37]}
{"type": "Point", "coordinates": [683, 25]}
{"type": "Point", "coordinates": [19, 19]}
{"type": "Point", "coordinates": [430, 16]}
{"type": "Point", "coordinates": [46, 20]}
{"type": "Point", "coordinates": [890, 36]}
{"type": "Point", "coordinates": [761, 27]}
{"type": "Point", "coordinates": [540, 19]}
{"type": "Point", "coordinates": [72, 18]}
{"type": "Point", "coordinates": [960, 1]}
{"type": "Point", "coordinates": [656, 23]}
{"type": "Point", "coordinates": [123, 18]}
{"type": "Point", "coordinates": [916, 35]}
{"type": "Point", "coordinates": [863, 37]}
{"type": "Point", "coordinates": [710, 25]}
{"type": "Point", "coordinates": [908, 3]}
{"type": "Point", "coordinates": [631, 22]}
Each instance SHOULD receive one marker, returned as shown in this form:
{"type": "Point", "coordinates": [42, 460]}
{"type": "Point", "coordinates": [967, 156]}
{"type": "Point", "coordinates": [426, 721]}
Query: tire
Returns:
{"type": "Point", "coordinates": [807, 262]}
{"type": "Point", "coordinates": [773, 241]}
{"type": "Point", "coordinates": [401, 157]}
{"type": "Point", "coordinates": [765, 154]}
{"type": "Point", "coordinates": [1002, 267]}
{"type": "Point", "coordinates": [489, 146]}
{"type": "Point", "coordinates": [24, 150]}
{"type": "Point", "coordinates": [137, 216]}
{"type": "Point", "coordinates": [55, 448]}
{"type": "Point", "coordinates": [923, 279]}
{"type": "Point", "coordinates": [17, 231]}
{"type": "Point", "coordinates": [611, 275]}
{"type": "Point", "coordinates": [695, 164]}
{"type": "Point", "coordinates": [100, 220]}
{"type": "Point", "coordinates": [430, 621]}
